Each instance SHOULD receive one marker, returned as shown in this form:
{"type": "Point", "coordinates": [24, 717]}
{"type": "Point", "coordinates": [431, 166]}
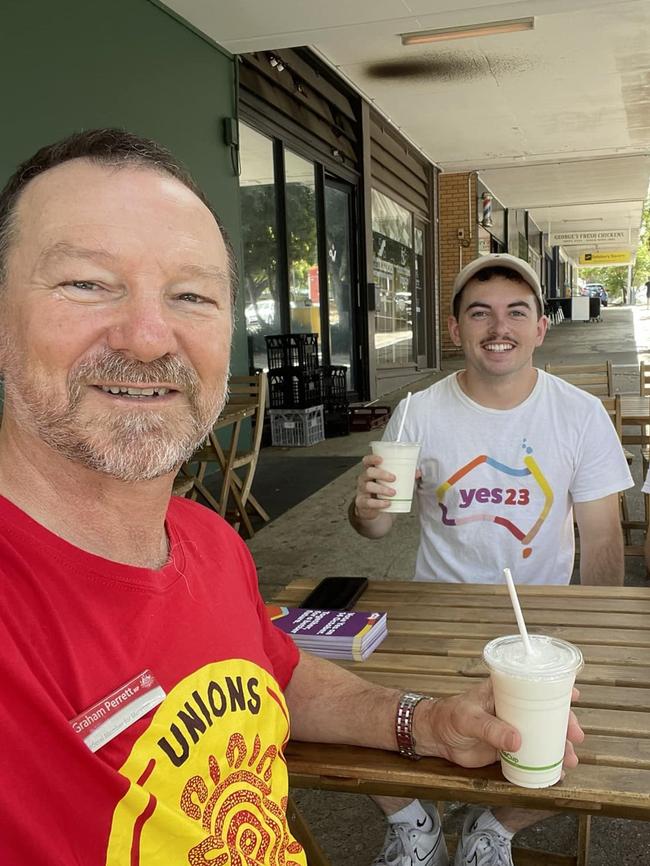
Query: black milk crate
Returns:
{"type": "Point", "coordinates": [337, 421]}
{"type": "Point", "coordinates": [293, 389]}
{"type": "Point", "coordinates": [299, 351]}
{"type": "Point", "coordinates": [333, 386]}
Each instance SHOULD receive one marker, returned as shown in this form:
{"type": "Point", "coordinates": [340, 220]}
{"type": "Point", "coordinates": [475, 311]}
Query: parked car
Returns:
{"type": "Point", "coordinates": [597, 290]}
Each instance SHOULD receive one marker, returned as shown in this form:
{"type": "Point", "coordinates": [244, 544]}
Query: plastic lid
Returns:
{"type": "Point", "coordinates": [552, 658]}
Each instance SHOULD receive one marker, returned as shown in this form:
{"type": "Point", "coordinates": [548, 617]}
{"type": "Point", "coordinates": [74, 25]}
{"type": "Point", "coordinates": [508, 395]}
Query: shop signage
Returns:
{"type": "Point", "coordinates": [611, 257]}
{"type": "Point", "coordinates": [582, 238]}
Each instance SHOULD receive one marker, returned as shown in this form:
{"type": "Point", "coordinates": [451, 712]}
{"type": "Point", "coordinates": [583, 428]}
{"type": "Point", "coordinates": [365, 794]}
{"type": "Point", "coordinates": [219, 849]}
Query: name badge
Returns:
{"type": "Point", "coordinates": [107, 718]}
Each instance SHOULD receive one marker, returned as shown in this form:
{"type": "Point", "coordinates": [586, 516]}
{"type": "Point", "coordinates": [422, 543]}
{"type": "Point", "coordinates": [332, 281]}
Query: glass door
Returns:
{"type": "Point", "coordinates": [302, 239]}
{"type": "Point", "coordinates": [340, 270]}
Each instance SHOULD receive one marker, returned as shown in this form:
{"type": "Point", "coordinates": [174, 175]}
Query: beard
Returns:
{"type": "Point", "coordinates": [130, 445]}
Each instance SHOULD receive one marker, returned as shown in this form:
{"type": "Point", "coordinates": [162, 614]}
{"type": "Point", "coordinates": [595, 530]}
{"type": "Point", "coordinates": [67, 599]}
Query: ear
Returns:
{"type": "Point", "coordinates": [542, 328]}
{"type": "Point", "coordinates": [454, 330]}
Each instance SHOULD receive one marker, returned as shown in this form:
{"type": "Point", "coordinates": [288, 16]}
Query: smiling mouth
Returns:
{"type": "Point", "coordinates": [498, 347]}
{"type": "Point", "coordinates": [135, 393]}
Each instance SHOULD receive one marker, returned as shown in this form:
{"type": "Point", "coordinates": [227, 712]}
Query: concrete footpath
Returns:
{"type": "Point", "coordinates": [313, 539]}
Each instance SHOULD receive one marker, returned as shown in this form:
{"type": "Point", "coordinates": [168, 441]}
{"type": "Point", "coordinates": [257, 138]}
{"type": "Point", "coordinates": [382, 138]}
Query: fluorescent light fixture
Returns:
{"type": "Point", "coordinates": [490, 28]}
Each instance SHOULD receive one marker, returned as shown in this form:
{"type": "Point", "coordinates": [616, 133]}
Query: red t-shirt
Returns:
{"type": "Point", "coordinates": [199, 779]}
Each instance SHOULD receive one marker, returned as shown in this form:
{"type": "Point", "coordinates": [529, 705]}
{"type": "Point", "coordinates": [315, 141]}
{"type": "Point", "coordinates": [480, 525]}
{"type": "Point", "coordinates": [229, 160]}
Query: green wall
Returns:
{"type": "Point", "coordinates": [67, 65]}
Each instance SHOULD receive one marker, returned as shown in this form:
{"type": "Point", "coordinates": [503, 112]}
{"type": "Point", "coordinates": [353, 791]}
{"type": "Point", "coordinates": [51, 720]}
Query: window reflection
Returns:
{"type": "Point", "coordinates": [260, 246]}
{"type": "Point", "coordinates": [304, 289]}
{"type": "Point", "coordinates": [339, 277]}
{"type": "Point", "coordinates": [392, 232]}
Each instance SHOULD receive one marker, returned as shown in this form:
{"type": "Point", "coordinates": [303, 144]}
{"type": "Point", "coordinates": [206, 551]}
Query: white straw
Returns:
{"type": "Point", "coordinates": [517, 609]}
{"type": "Point", "coordinates": [401, 426]}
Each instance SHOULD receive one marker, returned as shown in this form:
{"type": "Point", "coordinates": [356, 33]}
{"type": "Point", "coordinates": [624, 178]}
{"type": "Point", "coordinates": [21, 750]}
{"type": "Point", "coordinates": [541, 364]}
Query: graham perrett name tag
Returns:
{"type": "Point", "coordinates": [107, 718]}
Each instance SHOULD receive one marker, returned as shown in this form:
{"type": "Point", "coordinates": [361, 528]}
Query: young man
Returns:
{"type": "Point", "coordinates": [510, 457]}
{"type": "Point", "coordinates": [145, 695]}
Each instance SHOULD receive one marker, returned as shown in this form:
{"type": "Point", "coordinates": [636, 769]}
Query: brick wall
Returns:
{"type": "Point", "coordinates": [457, 191]}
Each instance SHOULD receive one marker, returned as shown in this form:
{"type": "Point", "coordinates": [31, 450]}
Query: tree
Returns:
{"type": "Point", "coordinates": [642, 264]}
{"type": "Point", "coordinates": [614, 277]}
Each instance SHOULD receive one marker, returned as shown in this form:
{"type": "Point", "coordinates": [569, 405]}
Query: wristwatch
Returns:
{"type": "Point", "coordinates": [404, 724]}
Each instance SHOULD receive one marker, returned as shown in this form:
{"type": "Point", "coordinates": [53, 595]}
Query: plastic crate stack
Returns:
{"type": "Point", "coordinates": [296, 408]}
{"type": "Point", "coordinates": [336, 406]}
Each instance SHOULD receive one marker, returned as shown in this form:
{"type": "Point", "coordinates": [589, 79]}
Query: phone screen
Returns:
{"type": "Point", "coordinates": [335, 593]}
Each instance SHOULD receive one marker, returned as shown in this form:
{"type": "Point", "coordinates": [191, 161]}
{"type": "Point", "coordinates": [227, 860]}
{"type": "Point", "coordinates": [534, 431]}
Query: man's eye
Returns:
{"type": "Point", "coordinates": [84, 285]}
{"type": "Point", "coordinates": [193, 298]}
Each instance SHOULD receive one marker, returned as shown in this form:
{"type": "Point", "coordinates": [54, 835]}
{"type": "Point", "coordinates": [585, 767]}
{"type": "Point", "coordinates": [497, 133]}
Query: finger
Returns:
{"type": "Point", "coordinates": [377, 474]}
{"type": "Point", "coordinates": [574, 732]}
{"type": "Point", "coordinates": [376, 488]}
{"type": "Point", "coordinates": [371, 460]}
{"type": "Point", "coordinates": [365, 503]}
{"type": "Point", "coordinates": [570, 757]}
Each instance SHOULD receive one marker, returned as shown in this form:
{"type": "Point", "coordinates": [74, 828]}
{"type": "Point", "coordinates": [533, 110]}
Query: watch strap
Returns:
{"type": "Point", "coordinates": [404, 724]}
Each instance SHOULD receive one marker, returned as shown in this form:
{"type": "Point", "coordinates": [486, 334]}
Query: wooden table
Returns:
{"type": "Point", "coordinates": [436, 635]}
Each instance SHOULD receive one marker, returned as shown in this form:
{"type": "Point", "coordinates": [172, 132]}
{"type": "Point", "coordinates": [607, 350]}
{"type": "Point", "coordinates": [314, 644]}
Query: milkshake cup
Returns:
{"type": "Point", "coordinates": [401, 459]}
{"type": "Point", "coordinates": [533, 694]}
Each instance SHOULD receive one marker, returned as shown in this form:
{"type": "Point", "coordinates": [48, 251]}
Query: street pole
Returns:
{"type": "Point", "coordinates": [629, 284]}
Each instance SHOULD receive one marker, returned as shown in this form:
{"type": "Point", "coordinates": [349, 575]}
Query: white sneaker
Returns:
{"type": "Point", "coordinates": [406, 845]}
{"type": "Point", "coordinates": [481, 847]}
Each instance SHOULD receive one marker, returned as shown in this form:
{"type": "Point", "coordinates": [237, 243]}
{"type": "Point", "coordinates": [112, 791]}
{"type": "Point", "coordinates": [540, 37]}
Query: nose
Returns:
{"type": "Point", "coordinates": [499, 322]}
{"type": "Point", "coordinates": [144, 329]}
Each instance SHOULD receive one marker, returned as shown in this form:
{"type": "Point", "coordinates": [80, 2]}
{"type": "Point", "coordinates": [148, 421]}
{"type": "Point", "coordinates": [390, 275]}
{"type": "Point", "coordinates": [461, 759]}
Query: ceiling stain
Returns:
{"type": "Point", "coordinates": [451, 66]}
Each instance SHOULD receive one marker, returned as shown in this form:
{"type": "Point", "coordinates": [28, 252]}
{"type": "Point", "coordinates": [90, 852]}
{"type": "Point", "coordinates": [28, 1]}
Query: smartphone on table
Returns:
{"type": "Point", "coordinates": [335, 593]}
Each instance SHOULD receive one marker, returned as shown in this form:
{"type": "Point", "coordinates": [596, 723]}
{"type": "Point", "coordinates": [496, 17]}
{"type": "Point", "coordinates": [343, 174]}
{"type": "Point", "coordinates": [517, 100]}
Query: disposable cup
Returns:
{"type": "Point", "coordinates": [401, 459]}
{"type": "Point", "coordinates": [533, 693]}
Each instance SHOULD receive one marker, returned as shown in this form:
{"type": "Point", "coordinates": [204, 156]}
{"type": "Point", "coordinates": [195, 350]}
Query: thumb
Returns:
{"type": "Point", "coordinates": [500, 735]}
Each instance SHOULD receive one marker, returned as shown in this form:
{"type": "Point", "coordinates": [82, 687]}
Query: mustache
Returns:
{"type": "Point", "coordinates": [113, 366]}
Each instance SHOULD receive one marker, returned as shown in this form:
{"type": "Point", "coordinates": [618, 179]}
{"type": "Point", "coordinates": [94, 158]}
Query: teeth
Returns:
{"type": "Point", "coordinates": [135, 392]}
{"type": "Point", "coordinates": [498, 347]}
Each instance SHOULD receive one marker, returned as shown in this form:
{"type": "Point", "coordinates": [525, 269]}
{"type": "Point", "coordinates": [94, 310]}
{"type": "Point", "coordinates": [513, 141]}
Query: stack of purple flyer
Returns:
{"type": "Point", "coordinates": [333, 634]}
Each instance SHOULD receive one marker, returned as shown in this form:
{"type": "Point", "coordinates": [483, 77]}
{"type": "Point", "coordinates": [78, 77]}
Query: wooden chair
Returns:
{"type": "Point", "coordinates": [644, 379]}
{"type": "Point", "coordinates": [597, 379]}
{"type": "Point", "coordinates": [642, 439]}
{"type": "Point", "coordinates": [612, 406]}
{"type": "Point", "coordinates": [303, 834]}
{"type": "Point", "coordinates": [247, 400]}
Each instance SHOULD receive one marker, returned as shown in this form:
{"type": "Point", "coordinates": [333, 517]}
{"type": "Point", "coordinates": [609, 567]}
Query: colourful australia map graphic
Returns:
{"type": "Point", "coordinates": [529, 469]}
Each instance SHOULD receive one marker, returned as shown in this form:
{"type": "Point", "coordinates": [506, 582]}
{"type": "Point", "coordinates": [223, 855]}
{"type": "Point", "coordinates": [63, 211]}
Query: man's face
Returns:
{"type": "Point", "coordinates": [497, 327]}
{"type": "Point", "coordinates": [115, 319]}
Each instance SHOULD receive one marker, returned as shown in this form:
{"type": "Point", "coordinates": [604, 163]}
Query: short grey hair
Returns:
{"type": "Point", "coordinates": [111, 147]}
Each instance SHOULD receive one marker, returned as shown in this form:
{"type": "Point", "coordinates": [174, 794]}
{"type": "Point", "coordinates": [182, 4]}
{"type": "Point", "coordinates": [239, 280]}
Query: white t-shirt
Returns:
{"type": "Point", "coordinates": [498, 485]}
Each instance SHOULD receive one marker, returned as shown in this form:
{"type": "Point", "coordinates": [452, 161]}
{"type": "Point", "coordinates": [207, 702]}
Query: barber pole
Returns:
{"type": "Point", "coordinates": [487, 209]}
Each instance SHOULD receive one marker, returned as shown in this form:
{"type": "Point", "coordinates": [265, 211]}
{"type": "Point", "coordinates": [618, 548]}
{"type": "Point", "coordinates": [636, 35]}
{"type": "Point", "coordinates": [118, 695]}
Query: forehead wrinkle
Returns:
{"type": "Point", "coordinates": [213, 273]}
{"type": "Point", "coordinates": [64, 250]}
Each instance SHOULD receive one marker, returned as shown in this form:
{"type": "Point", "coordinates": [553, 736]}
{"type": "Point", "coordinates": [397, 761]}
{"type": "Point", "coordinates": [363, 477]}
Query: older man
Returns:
{"type": "Point", "coordinates": [145, 694]}
{"type": "Point", "coordinates": [510, 456]}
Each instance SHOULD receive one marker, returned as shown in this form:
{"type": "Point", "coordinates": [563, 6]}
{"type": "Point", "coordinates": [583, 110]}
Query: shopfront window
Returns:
{"type": "Point", "coordinates": [339, 275]}
{"type": "Point", "coordinates": [304, 289]}
{"type": "Point", "coordinates": [392, 229]}
{"type": "Point", "coordinates": [259, 278]}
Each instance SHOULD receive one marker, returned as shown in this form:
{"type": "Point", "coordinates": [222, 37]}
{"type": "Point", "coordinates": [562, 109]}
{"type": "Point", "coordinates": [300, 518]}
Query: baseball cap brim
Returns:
{"type": "Point", "coordinates": [502, 260]}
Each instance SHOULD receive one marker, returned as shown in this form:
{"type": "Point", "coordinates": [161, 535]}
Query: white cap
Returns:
{"type": "Point", "coordinates": [501, 260]}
